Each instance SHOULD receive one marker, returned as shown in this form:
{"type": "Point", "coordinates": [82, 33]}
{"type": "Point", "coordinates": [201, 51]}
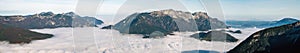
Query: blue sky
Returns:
{"type": "Point", "coordinates": [233, 9]}
{"type": "Point", "coordinates": [261, 9]}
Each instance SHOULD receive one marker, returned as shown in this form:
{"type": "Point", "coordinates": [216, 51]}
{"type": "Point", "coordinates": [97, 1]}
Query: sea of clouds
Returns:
{"type": "Point", "coordinates": [111, 41]}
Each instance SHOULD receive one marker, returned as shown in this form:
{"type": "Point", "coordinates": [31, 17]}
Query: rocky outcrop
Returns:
{"type": "Point", "coordinates": [49, 20]}
{"type": "Point", "coordinates": [155, 34]}
{"type": "Point", "coordinates": [237, 31]}
{"type": "Point", "coordinates": [281, 39]}
{"type": "Point", "coordinates": [107, 27]}
{"type": "Point", "coordinates": [19, 35]}
{"type": "Point", "coordinates": [215, 36]}
{"type": "Point", "coordinates": [167, 21]}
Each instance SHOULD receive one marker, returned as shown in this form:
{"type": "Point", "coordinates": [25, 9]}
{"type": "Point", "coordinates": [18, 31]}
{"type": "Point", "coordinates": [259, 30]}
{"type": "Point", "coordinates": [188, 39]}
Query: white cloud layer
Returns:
{"type": "Point", "coordinates": [111, 41]}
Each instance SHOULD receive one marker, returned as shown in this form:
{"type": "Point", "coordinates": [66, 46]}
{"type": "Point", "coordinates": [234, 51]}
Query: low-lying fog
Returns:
{"type": "Point", "coordinates": [111, 41]}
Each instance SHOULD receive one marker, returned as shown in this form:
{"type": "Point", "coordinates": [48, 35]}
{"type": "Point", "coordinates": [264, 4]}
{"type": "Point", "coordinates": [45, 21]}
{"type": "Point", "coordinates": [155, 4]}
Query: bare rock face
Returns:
{"type": "Point", "coordinates": [18, 35]}
{"type": "Point", "coordinates": [49, 20]}
{"type": "Point", "coordinates": [281, 39]}
{"type": "Point", "coordinates": [167, 21]}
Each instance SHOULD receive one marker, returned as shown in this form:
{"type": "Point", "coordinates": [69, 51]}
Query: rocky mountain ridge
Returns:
{"type": "Point", "coordinates": [49, 20]}
{"type": "Point", "coordinates": [167, 21]}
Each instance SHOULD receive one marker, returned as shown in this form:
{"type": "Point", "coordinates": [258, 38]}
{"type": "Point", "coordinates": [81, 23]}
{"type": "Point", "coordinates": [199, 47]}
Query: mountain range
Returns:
{"type": "Point", "coordinates": [279, 36]}
{"type": "Point", "coordinates": [166, 21]}
{"type": "Point", "coordinates": [14, 29]}
{"type": "Point", "coordinates": [260, 24]}
{"type": "Point", "coordinates": [49, 20]}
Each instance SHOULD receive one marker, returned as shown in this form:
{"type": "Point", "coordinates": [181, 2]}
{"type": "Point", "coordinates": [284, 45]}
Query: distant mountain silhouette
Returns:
{"type": "Point", "coordinates": [49, 20]}
{"type": "Point", "coordinates": [260, 24]}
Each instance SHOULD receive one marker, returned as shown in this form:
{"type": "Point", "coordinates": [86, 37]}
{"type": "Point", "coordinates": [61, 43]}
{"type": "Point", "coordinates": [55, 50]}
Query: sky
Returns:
{"type": "Point", "coordinates": [115, 10]}
{"type": "Point", "coordinates": [25, 7]}
{"type": "Point", "coordinates": [261, 9]}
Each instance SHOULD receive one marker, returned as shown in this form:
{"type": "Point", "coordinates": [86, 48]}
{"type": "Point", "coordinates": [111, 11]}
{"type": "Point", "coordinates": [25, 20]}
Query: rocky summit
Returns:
{"type": "Point", "coordinates": [19, 35]}
{"type": "Point", "coordinates": [167, 21]}
{"type": "Point", "coordinates": [281, 39]}
{"type": "Point", "coordinates": [49, 20]}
